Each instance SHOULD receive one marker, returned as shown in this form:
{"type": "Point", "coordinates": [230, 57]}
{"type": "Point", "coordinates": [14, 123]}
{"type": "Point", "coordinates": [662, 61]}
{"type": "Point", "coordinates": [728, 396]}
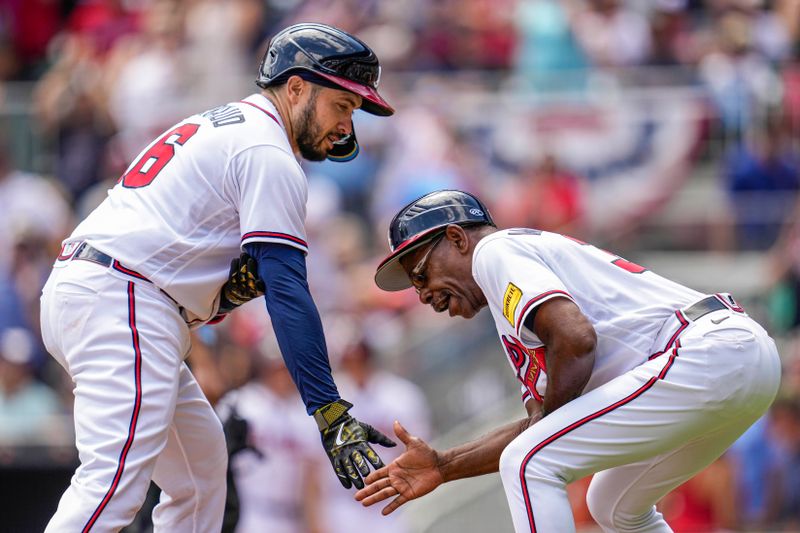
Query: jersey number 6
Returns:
{"type": "Point", "coordinates": [155, 159]}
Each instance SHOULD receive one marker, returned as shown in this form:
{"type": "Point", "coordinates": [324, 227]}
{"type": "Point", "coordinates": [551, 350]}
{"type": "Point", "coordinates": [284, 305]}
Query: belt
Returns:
{"type": "Point", "coordinates": [86, 252]}
{"type": "Point", "coordinates": [681, 319]}
{"type": "Point", "coordinates": [716, 302]}
{"type": "Point", "coordinates": [700, 309]}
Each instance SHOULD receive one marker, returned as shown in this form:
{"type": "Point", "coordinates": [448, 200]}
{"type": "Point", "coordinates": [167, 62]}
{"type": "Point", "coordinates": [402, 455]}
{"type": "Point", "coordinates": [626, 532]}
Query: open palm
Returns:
{"type": "Point", "coordinates": [413, 474]}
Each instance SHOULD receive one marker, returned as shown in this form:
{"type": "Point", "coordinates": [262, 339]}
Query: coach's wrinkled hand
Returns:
{"type": "Point", "coordinates": [415, 473]}
{"type": "Point", "coordinates": [347, 443]}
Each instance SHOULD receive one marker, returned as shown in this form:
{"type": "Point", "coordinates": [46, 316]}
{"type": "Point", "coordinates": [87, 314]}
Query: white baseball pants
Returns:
{"type": "Point", "coordinates": [139, 413]}
{"type": "Point", "coordinates": [647, 431]}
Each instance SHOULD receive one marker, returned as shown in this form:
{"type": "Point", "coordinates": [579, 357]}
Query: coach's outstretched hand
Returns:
{"type": "Point", "coordinates": [413, 474]}
{"type": "Point", "coordinates": [346, 441]}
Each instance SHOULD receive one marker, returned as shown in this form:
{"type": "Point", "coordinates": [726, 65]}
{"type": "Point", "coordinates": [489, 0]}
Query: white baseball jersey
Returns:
{"type": "Point", "coordinates": [519, 269]}
{"type": "Point", "coordinates": [195, 195]}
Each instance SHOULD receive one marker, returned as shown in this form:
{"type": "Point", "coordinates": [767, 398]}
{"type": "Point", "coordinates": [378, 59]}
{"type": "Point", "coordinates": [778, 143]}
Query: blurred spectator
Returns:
{"type": "Point", "coordinates": [466, 34]}
{"type": "Point", "coordinates": [783, 280]}
{"type": "Point", "coordinates": [220, 68]}
{"type": "Point", "coordinates": [70, 104]}
{"type": "Point", "coordinates": [756, 461]}
{"type": "Point", "coordinates": [770, 29]}
{"type": "Point", "coordinates": [150, 82]}
{"type": "Point", "coordinates": [612, 34]}
{"type": "Point", "coordinates": [785, 430]}
{"type": "Point", "coordinates": [762, 176]}
{"type": "Point", "coordinates": [547, 197]}
{"type": "Point", "coordinates": [740, 81]}
{"type": "Point", "coordinates": [670, 33]}
{"type": "Point", "coordinates": [422, 160]}
{"type": "Point", "coordinates": [705, 503]}
{"type": "Point", "coordinates": [548, 56]}
{"type": "Point", "coordinates": [791, 95]}
{"type": "Point", "coordinates": [29, 409]}
{"type": "Point", "coordinates": [32, 208]}
{"type": "Point", "coordinates": [27, 28]}
{"type": "Point", "coordinates": [278, 488]}
{"type": "Point", "coordinates": [381, 398]}
{"type": "Point", "coordinates": [103, 22]}
{"type": "Point", "coordinates": [33, 221]}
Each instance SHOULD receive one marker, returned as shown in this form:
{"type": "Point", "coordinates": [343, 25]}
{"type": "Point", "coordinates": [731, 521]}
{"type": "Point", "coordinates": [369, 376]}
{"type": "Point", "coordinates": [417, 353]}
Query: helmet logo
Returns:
{"type": "Point", "coordinates": [475, 211]}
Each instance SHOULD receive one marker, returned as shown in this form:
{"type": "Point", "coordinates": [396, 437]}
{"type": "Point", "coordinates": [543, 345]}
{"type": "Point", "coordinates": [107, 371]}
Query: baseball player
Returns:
{"type": "Point", "coordinates": [624, 374]}
{"type": "Point", "coordinates": [150, 262]}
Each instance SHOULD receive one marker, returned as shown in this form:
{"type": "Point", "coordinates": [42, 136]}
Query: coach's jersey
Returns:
{"type": "Point", "coordinates": [195, 195]}
{"type": "Point", "coordinates": [519, 269]}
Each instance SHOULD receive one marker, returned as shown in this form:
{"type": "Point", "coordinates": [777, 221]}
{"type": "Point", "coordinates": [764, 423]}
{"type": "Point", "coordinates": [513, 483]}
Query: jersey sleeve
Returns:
{"type": "Point", "coordinates": [514, 283]}
{"type": "Point", "coordinates": [270, 191]}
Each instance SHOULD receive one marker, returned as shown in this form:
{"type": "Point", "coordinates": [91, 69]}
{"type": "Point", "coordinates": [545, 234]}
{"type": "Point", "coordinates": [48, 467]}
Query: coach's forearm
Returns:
{"type": "Point", "coordinates": [481, 456]}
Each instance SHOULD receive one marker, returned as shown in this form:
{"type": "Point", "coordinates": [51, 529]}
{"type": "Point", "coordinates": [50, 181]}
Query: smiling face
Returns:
{"type": "Point", "coordinates": [441, 271]}
{"type": "Point", "coordinates": [324, 116]}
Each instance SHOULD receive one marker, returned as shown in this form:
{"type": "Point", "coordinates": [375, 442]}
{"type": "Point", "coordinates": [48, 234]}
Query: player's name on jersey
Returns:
{"type": "Point", "coordinates": [224, 115]}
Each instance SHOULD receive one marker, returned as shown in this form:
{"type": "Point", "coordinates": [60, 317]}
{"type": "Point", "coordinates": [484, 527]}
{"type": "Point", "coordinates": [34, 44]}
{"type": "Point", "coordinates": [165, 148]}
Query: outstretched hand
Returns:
{"type": "Point", "coordinates": [413, 474]}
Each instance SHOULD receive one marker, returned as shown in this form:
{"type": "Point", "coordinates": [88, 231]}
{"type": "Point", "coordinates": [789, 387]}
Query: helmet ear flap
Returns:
{"type": "Point", "coordinates": [345, 150]}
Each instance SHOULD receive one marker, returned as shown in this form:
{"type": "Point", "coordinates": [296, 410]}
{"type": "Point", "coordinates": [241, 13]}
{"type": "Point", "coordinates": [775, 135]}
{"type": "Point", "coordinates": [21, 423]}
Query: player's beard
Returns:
{"type": "Point", "coordinates": [309, 136]}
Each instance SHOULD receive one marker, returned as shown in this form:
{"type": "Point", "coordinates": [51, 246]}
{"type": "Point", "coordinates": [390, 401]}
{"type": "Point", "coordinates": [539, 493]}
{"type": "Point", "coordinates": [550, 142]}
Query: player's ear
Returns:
{"type": "Point", "coordinates": [295, 87]}
{"type": "Point", "coordinates": [457, 237]}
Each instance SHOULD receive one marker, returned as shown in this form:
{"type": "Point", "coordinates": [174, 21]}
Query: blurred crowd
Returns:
{"type": "Point", "coordinates": [499, 97]}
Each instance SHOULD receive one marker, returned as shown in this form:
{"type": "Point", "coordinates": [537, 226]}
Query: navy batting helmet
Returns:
{"type": "Point", "coordinates": [331, 57]}
{"type": "Point", "coordinates": [421, 221]}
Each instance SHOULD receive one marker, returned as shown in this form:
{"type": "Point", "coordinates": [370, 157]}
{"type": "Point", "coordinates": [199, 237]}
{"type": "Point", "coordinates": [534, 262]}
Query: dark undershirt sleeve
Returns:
{"type": "Point", "coordinates": [296, 321]}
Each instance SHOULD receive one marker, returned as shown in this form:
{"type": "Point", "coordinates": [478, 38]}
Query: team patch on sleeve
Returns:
{"type": "Point", "coordinates": [511, 300]}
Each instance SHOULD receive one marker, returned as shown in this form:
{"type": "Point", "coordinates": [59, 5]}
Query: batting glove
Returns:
{"type": "Point", "coordinates": [346, 441]}
{"type": "Point", "coordinates": [243, 283]}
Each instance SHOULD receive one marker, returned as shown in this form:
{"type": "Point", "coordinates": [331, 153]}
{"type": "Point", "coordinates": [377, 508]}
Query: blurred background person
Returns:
{"type": "Point", "coordinates": [29, 409]}
{"type": "Point", "coordinates": [784, 497]}
{"type": "Point", "coordinates": [277, 480]}
{"type": "Point", "coordinates": [546, 196]}
{"type": "Point", "coordinates": [762, 175]}
{"type": "Point", "coordinates": [613, 33]}
{"type": "Point", "coordinates": [387, 397]}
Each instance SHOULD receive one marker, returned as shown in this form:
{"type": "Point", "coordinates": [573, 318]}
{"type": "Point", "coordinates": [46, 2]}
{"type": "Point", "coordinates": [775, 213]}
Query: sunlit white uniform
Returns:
{"type": "Point", "coordinates": [667, 395]}
{"type": "Point", "coordinates": [172, 224]}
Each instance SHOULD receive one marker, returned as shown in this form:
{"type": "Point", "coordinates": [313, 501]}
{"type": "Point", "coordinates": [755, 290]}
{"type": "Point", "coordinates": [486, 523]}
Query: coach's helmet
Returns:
{"type": "Point", "coordinates": [421, 221]}
{"type": "Point", "coordinates": [330, 57]}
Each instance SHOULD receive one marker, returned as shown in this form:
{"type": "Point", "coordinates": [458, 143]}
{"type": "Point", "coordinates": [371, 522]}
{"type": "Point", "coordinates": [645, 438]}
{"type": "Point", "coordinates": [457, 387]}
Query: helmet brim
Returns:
{"type": "Point", "coordinates": [372, 102]}
{"type": "Point", "coordinates": [390, 275]}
